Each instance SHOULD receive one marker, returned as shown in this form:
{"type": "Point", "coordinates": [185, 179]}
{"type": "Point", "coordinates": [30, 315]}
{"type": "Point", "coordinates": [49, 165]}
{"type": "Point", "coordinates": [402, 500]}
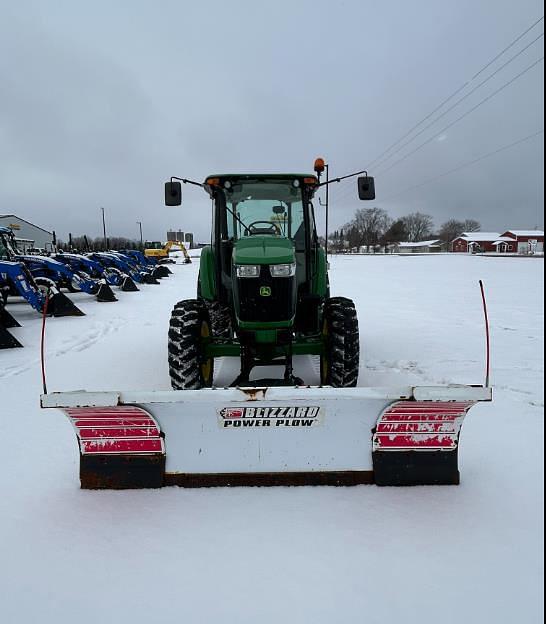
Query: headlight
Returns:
{"type": "Point", "coordinates": [248, 270]}
{"type": "Point", "coordinates": [283, 270]}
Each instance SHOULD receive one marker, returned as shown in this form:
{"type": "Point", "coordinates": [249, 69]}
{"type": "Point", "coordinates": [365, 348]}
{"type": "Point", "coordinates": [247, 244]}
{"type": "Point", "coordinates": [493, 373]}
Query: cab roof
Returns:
{"type": "Point", "coordinates": [262, 176]}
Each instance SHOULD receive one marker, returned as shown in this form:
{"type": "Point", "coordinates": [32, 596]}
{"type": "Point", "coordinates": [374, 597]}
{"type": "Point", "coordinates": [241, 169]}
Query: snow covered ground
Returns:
{"type": "Point", "coordinates": [468, 554]}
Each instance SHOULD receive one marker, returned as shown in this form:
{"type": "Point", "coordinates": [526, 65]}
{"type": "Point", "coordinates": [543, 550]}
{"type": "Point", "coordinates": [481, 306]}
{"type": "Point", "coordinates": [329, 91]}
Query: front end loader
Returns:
{"type": "Point", "coordinates": [263, 297]}
{"type": "Point", "coordinates": [112, 260]}
{"type": "Point", "coordinates": [17, 281]}
{"type": "Point", "coordinates": [84, 265]}
{"type": "Point", "coordinates": [48, 272]}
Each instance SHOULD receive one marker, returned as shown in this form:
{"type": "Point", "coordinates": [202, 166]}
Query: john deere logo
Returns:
{"type": "Point", "coordinates": [265, 291]}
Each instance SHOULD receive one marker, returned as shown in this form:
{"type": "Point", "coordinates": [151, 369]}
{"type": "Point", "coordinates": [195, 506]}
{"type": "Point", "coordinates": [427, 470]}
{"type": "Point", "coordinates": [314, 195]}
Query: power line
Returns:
{"type": "Point", "coordinates": [453, 123]}
{"type": "Point", "coordinates": [456, 121]}
{"type": "Point", "coordinates": [517, 40]}
{"type": "Point", "coordinates": [466, 165]}
{"type": "Point", "coordinates": [457, 91]}
{"type": "Point", "coordinates": [461, 100]}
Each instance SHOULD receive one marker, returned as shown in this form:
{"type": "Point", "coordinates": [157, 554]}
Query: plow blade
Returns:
{"type": "Point", "coordinates": [269, 437]}
{"type": "Point", "coordinates": [105, 294]}
{"type": "Point", "coordinates": [60, 305]}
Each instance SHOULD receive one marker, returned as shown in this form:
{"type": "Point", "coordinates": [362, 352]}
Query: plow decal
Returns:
{"type": "Point", "coordinates": [274, 417]}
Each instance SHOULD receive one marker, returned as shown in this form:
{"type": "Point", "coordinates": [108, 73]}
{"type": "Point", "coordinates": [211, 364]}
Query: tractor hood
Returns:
{"type": "Point", "coordinates": [264, 250]}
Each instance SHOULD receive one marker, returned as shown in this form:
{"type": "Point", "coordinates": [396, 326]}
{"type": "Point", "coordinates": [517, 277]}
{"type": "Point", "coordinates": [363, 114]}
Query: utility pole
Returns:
{"type": "Point", "coordinates": [104, 229]}
{"type": "Point", "coordinates": [139, 223]}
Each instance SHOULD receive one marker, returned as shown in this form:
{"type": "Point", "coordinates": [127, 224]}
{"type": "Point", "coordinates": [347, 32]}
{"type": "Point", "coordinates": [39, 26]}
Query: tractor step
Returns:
{"type": "Point", "coordinates": [269, 383]}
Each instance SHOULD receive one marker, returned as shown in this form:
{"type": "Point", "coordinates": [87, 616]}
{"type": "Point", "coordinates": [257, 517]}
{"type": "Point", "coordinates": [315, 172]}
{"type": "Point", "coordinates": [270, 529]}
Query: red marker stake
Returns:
{"type": "Point", "coordinates": [488, 337]}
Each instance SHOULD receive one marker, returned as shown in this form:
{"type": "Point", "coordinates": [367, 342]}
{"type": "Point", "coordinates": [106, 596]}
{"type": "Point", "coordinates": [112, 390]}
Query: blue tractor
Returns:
{"type": "Point", "coordinates": [125, 265]}
{"type": "Point", "coordinates": [85, 265]}
{"type": "Point", "coordinates": [48, 272]}
{"type": "Point", "coordinates": [17, 281]}
{"type": "Point", "coordinates": [139, 265]}
{"type": "Point", "coordinates": [160, 270]}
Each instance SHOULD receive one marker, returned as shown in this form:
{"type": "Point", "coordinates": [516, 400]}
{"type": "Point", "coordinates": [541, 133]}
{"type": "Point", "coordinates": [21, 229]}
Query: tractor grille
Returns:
{"type": "Point", "coordinates": [277, 307]}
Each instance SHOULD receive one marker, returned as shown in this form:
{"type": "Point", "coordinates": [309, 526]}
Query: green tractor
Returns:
{"type": "Point", "coordinates": [263, 294]}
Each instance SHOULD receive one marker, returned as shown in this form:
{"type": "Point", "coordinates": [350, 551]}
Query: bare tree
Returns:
{"type": "Point", "coordinates": [471, 225]}
{"type": "Point", "coordinates": [419, 227]}
{"type": "Point", "coordinates": [396, 233]}
{"type": "Point", "coordinates": [371, 224]}
{"type": "Point", "coordinates": [451, 230]}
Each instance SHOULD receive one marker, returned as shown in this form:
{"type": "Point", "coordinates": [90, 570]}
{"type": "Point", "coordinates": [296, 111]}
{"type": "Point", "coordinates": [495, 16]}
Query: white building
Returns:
{"type": "Point", "coordinates": [28, 231]}
{"type": "Point", "coordinates": [432, 246]}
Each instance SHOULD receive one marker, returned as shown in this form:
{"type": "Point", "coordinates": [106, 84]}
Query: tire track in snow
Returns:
{"type": "Point", "coordinates": [75, 344]}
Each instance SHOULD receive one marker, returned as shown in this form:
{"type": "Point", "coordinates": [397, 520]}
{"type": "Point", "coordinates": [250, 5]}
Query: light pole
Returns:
{"type": "Point", "coordinates": [139, 223]}
{"type": "Point", "coordinates": [104, 229]}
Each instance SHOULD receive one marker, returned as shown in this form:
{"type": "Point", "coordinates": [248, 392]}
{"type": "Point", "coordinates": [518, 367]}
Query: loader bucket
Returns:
{"type": "Point", "coordinates": [105, 294]}
{"type": "Point", "coordinates": [6, 319]}
{"type": "Point", "coordinates": [60, 305]}
{"type": "Point", "coordinates": [162, 271]}
{"type": "Point", "coordinates": [148, 278]}
{"type": "Point", "coordinates": [156, 273]}
{"type": "Point", "coordinates": [128, 285]}
{"type": "Point", "coordinates": [7, 341]}
{"type": "Point", "coordinates": [269, 436]}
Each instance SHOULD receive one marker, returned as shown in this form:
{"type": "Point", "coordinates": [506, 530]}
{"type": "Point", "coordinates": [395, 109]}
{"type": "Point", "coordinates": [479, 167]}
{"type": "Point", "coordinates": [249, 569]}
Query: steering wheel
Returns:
{"type": "Point", "coordinates": [273, 228]}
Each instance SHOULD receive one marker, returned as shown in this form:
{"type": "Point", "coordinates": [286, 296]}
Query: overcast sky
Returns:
{"type": "Point", "coordinates": [100, 102]}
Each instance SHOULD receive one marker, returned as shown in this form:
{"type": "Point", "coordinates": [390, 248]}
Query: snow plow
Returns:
{"type": "Point", "coordinates": [263, 297]}
{"type": "Point", "coordinates": [268, 436]}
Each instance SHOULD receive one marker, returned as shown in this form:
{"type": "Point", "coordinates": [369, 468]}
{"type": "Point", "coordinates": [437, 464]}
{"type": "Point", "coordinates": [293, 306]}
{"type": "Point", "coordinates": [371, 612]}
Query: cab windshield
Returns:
{"type": "Point", "coordinates": [265, 207]}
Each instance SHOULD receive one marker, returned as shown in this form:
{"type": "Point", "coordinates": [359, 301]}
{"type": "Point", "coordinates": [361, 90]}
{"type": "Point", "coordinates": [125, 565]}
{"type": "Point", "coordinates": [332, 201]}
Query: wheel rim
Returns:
{"type": "Point", "coordinates": [324, 361]}
{"type": "Point", "coordinates": [207, 365]}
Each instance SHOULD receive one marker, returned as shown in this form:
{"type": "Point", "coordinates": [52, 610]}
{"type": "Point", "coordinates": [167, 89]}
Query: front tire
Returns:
{"type": "Point", "coordinates": [220, 318]}
{"type": "Point", "coordinates": [341, 363]}
{"type": "Point", "coordinates": [190, 328]}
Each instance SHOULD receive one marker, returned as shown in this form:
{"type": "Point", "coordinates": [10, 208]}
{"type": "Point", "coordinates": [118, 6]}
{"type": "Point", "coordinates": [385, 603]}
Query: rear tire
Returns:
{"type": "Point", "coordinates": [189, 328]}
{"type": "Point", "coordinates": [341, 363]}
{"type": "Point", "coordinates": [45, 284]}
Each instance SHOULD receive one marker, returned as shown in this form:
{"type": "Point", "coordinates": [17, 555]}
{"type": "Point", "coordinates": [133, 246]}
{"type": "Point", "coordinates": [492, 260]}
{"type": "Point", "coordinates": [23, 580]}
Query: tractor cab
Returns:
{"type": "Point", "coordinates": [264, 229]}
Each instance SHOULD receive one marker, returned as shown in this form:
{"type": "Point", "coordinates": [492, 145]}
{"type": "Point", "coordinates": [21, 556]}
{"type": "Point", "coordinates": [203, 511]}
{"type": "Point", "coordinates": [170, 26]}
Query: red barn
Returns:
{"type": "Point", "coordinates": [479, 242]}
{"type": "Point", "coordinates": [526, 241]}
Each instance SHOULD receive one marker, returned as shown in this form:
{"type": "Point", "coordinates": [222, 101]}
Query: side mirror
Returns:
{"type": "Point", "coordinates": [366, 188]}
{"type": "Point", "coordinates": [279, 210]}
{"type": "Point", "coordinates": [173, 193]}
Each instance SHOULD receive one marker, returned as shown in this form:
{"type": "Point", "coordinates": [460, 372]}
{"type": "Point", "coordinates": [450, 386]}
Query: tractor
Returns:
{"type": "Point", "coordinates": [263, 296]}
{"type": "Point", "coordinates": [263, 292]}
